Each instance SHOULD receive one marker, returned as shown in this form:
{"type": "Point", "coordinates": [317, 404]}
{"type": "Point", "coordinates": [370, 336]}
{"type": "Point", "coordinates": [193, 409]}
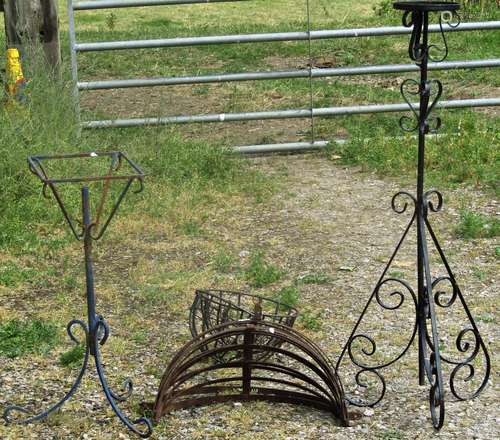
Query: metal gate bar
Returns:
{"type": "Point", "coordinates": [285, 114]}
{"type": "Point", "coordinates": [310, 73]}
{"type": "Point", "coordinates": [279, 148]}
{"type": "Point", "coordinates": [286, 74]}
{"type": "Point", "coordinates": [274, 36]}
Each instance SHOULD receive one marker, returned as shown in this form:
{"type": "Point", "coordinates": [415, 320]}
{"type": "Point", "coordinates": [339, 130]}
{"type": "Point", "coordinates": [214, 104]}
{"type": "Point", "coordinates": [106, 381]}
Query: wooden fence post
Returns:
{"type": "Point", "coordinates": [31, 24]}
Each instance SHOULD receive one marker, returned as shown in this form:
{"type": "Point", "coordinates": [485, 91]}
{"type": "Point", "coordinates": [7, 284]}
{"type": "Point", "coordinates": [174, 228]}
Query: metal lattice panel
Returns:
{"type": "Point", "coordinates": [296, 371]}
{"type": "Point", "coordinates": [212, 308]}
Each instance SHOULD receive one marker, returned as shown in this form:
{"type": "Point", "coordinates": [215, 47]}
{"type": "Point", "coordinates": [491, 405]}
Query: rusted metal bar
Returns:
{"type": "Point", "coordinates": [211, 308]}
{"type": "Point", "coordinates": [303, 375]}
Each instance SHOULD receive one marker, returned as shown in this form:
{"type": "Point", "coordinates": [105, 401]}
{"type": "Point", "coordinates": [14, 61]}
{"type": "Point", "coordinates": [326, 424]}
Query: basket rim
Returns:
{"type": "Point", "coordinates": [289, 310]}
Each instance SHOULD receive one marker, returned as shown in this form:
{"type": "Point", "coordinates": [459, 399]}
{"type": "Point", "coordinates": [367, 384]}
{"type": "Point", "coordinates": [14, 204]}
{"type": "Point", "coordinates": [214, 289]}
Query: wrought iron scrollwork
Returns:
{"type": "Point", "coordinates": [89, 230]}
{"type": "Point", "coordinates": [469, 346]}
{"type": "Point", "coordinates": [364, 351]}
{"type": "Point", "coordinates": [142, 426]}
{"type": "Point", "coordinates": [419, 48]}
{"type": "Point", "coordinates": [410, 87]}
{"type": "Point", "coordinates": [400, 195]}
{"type": "Point", "coordinates": [436, 392]}
{"type": "Point", "coordinates": [423, 116]}
{"type": "Point", "coordinates": [362, 348]}
{"type": "Point", "coordinates": [7, 414]}
{"type": "Point", "coordinates": [429, 204]}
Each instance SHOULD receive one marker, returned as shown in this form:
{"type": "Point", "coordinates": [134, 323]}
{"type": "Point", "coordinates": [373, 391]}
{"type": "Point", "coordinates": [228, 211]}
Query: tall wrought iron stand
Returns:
{"type": "Point", "coordinates": [361, 351]}
{"type": "Point", "coordinates": [89, 230]}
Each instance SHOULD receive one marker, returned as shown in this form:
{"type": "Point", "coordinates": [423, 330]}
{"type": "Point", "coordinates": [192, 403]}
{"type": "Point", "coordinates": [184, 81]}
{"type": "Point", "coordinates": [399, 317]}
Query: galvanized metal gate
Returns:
{"type": "Point", "coordinates": [309, 35]}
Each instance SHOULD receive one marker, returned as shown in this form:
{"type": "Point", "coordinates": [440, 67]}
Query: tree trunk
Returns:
{"type": "Point", "coordinates": [31, 24]}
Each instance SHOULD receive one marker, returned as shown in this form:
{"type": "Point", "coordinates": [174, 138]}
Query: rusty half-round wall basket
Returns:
{"type": "Point", "coordinates": [292, 370]}
{"type": "Point", "coordinates": [211, 308]}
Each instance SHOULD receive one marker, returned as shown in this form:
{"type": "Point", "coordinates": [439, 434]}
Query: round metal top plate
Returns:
{"type": "Point", "coordinates": [428, 6]}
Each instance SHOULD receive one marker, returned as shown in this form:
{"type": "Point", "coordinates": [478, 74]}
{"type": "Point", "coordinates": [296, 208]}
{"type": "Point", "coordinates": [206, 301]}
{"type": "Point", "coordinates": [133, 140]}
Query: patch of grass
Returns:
{"type": "Point", "coordinates": [480, 274]}
{"type": "Point", "coordinates": [311, 320]}
{"type": "Point", "coordinates": [391, 434]}
{"type": "Point", "coordinates": [260, 273]}
{"type": "Point", "coordinates": [21, 337]}
{"type": "Point", "coordinates": [486, 317]}
{"type": "Point", "coordinates": [471, 9]}
{"type": "Point", "coordinates": [11, 275]}
{"type": "Point", "coordinates": [73, 356]}
{"type": "Point", "coordinates": [288, 296]}
{"type": "Point", "coordinates": [155, 295]}
{"type": "Point", "coordinates": [397, 274]}
{"type": "Point", "coordinates": [467, 153]}
{"type": "Point", "coordinates": [45, 120]}
{"type": "Point", "coordinates": [313, 278]}
{"type": "Point", "coordinates": [182, 172]}
{"type": "Point", "coordinates": [474, 225]}
{"type": "Point", "coordinates": [140, 336]}
{"type": "Point", "coordinates": [223, 262]}
{"type": "Point", "coordinates": [197, 163]}
{"type": "Point", "coordinates": [192, 228]}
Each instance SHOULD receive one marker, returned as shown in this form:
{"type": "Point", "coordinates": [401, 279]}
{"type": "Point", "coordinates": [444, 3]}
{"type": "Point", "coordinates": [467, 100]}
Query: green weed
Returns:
{"type": "Point", "coordinates": [474, 225]}
{"type": "Point", "coordinates": [192, 228]}
{"type": "Point", "coordinates": [260, 273]}
{"type": "Point", "coordinates": [223, 262]}
{"type": "Point", "coordinates": [486, 318]}
{"type": "Point", "coordinates": [12, 275]}
{"type": "Point", "coordinates": [155, 295]}
{"type": "Point", "coordinates": [288, 296]}
{"type": "Point", "coordinates": [73, 356]}
{"type": "Point", "coordinates": [21, 337]}
{"type": "Point", "coordinates": [397, 274]}
{"type": "Point", "coordinates": [313, 278]}
{"type": "Point", "coordinates": [391, 434]}
{"type": "Point", "coordinates": [311, 320]}
{"type": "Point", "coordinates": [480, 274]}
{"type": "Point", "coordinates": [140, 336]}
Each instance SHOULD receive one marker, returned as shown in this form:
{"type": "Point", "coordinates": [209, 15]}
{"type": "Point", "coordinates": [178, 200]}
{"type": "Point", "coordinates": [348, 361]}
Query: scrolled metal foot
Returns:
{"type": "Point", "coordinates": [112, 397]}
{"type": "Point", "coordinates": [7, 414]}
{"type": "Point", "coordinates": [469, 348]}
{"type": "Point", "coordinates": [127, 391]}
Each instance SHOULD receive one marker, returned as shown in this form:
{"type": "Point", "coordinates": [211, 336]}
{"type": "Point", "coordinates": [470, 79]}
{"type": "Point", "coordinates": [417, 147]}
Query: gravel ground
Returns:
{"type": "Point", "coordinates": [330, 220]}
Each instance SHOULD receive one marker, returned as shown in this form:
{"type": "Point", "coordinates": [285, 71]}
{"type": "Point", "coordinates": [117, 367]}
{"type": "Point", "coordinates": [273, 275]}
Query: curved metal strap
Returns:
{"type": "Point", "coordinates": [142, 426]}
{"type": "Point", "coordinates": [34, 418]}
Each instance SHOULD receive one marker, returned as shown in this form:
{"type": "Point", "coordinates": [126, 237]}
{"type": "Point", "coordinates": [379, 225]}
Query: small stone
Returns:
{"type": "Point", "coordinates": [369, 412]}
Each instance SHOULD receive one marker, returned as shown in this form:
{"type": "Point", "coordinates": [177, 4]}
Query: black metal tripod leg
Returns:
{"type": "Point", "coordinates": [368, 348]}
{"type": "Point", "coordinates": [16, 408]}
{"type": "Point", "coordinates": [111, 396]}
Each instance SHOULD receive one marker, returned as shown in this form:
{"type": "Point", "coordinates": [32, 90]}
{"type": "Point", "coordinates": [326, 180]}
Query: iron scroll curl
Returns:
{"type": "Point", "coordinates": [468, 345]}
{"type": "Point", "coordinates": [70, 329]}
{"type": "Point", "coordinates": [362, 347]}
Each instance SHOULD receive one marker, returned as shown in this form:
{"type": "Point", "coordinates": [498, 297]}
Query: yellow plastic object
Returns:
{"type": "Point", "coordinates": [15, 77]}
